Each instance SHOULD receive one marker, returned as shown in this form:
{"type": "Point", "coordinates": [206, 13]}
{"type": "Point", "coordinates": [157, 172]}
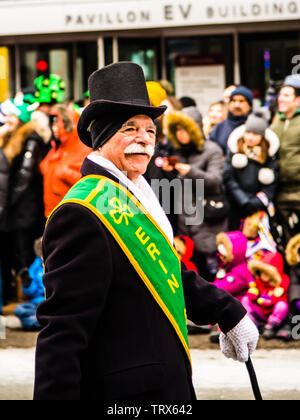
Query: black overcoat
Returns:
{"type": "Point", "coordinates": [104, 337]}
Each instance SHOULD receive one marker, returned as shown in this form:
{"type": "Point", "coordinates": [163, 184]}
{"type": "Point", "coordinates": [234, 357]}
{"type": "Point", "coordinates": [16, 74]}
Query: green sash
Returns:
{"type": "Point", "coordinates": [141, 239]}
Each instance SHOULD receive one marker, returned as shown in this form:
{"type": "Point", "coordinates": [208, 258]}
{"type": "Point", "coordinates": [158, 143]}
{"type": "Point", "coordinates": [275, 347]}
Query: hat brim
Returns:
{"type": "Point", "coordinates": [96, 109]}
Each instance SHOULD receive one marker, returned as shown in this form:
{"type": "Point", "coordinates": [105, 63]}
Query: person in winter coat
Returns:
{"type": "Point", "coordinates": [257, 230]}
{"type": "Point", "coordinates": [233, 274]}
{"type": "Point", "coordinates": [216, 114]}
{"type": "Point", "coordinates": [251, 173]}
{"type": "Point", "coordinates": [198, 159]}
{"type": "Point", "coordinates": [287, 127]}
{"type": "Point", "coordinates": [267, 298]}
{"type": "Point", "coordinates": [33, 290]}
{"type": "Point", "coordinates": [22, 218]}
{"type": "Point", "coordinates": [239, 108]}
{"type": "Point", "coordinates": [61, 166]}
{"type": "Point", "coordinates": [292, 255]}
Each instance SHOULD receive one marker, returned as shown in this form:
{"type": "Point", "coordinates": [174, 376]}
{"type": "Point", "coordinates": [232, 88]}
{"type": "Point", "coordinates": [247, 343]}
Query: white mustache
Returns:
{"type": "Point", "coordinates": [139, 148]}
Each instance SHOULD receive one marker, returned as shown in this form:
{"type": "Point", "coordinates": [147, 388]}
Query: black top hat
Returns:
{"type": "Point", "coordinates": [118, 88]}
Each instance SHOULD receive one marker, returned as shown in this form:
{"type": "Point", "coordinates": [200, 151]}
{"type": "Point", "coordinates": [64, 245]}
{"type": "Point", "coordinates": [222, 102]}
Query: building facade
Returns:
{"type": "Point", "coordinates": [199, 45]}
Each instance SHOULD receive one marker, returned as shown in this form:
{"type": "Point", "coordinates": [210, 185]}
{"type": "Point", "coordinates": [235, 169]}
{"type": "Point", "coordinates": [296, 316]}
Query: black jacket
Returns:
{"type": "Point", "coordinates": [4, 185]}
{"type": "Point", "coordinates": [242, 185]}
{"type": "Point", "coordinates": [25, 195]}
{"type": "Point", "coordinates": [104, 336]}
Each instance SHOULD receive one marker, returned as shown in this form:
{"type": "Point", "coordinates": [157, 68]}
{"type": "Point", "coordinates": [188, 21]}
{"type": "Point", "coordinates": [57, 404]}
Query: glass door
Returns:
{"type": "Point", "coordinates": [265, 57]}
{"type": "Point", "coordinates": [145, 52]}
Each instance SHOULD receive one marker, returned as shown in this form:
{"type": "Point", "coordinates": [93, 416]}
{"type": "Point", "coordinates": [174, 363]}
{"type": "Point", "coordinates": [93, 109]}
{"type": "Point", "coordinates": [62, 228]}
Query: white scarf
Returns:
{"type": "Point", "coordinates": [142, 191]}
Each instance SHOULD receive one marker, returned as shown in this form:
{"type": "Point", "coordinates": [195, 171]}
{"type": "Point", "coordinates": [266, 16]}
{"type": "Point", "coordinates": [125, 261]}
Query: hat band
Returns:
{"type": "Point", "coordinates": [142, 102]}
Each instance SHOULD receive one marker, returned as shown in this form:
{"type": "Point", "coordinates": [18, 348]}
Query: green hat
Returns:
{"type": "Point", "coordinates": [49, 89]}
{"type": "Point", "coordinates": [21, 111]}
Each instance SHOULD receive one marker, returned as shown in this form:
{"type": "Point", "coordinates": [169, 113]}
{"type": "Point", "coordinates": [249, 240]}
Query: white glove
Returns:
{"type": "Point", "coordinates": [241, 341]}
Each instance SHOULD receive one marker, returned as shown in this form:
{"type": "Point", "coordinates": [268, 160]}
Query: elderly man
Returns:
{"type": "Point", "coordinates": [117, 297]}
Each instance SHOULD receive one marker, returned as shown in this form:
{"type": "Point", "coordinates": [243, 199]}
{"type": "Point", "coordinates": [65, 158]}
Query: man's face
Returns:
{"type": "Point", "coordinates": [216, 114]}
{"type": "Point", "coordinates": [182, 135]}
{"type": "Point", "coordinates": [132, 147]}
{"type": "Point", "coordinates": [239, 106]}
{"type": "Point", "coordinates": [287, 101]}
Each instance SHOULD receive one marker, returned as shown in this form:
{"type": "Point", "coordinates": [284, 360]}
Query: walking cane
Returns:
{"type": "Point", "coordinates": [253, 379]}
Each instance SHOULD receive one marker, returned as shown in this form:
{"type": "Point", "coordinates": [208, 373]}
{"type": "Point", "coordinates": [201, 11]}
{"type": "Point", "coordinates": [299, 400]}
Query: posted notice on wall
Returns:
{"type": "Point", "coordinates": [204, 83]}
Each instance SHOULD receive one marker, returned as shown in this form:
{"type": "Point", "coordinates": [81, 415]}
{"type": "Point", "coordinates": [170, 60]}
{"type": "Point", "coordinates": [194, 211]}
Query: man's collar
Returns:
{"type": "Point", "coordinates": [282, 116]}
{"type": "Point", "coordinates": [91, 168]}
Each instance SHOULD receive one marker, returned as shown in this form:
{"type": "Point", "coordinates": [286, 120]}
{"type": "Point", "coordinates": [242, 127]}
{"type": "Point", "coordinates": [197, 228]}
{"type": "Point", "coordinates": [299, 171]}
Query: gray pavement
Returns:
{"type": "Point", "coordinates": [214, 376]}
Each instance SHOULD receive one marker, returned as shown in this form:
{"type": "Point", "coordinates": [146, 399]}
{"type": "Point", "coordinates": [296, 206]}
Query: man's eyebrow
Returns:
{"type": "Point", "coordinates": [135, 124]}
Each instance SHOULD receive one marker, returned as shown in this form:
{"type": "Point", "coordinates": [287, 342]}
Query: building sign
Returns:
{"type": "Point", "coordinates": [48, 16]}
{"type": "Point", "coordinates": [201, 80]}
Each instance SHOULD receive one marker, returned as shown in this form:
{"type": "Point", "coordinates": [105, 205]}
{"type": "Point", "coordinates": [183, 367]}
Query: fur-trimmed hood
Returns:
{"type": "Point", "coordinates": [39, 123]}
{"type": "Point", "coordinates": [238, 133]}
{"type": "Point", "coordinates": [292, 252]}
{"type": "Point", "coordinates": [235, 244]}
{"type": "Point", "coordinates": [190, 119]}
{"type": "Point", "coordinates": [271, 264]}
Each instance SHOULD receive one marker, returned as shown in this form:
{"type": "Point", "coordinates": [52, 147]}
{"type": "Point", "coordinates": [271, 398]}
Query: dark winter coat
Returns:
{"type": "Point", "coordinates": [104, 337]}
{"type": "Point", "coordinates": [25, 200]}
{"type": "Point", "coordinates": [21, 201]}
{"type": "Point", "coordinates": [243, 182]}
{"type": "Point", "coordinates": [4, 182]}
{"type": "Point", "coordinates": [206, 160]}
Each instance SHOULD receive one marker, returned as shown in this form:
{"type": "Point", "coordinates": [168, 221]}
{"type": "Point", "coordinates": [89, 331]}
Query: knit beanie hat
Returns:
{"type": "Point", "coordinates": [242, 90]}
{"type": "Point", "coordinates": [257, 122]}
{"type": "Point", "coordinates": [293, 81]}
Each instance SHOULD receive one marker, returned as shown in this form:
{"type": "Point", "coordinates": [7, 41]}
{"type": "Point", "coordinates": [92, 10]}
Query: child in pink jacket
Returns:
{"type": "Point", "coordinates": [267, 298]}
{"type": "Point", "coordinates": [233, 274]}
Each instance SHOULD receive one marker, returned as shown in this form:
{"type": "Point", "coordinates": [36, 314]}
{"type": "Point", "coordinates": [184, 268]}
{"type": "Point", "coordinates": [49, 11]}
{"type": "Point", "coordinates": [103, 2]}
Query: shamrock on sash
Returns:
{"type": "Point", "coordinates": [120, 211]}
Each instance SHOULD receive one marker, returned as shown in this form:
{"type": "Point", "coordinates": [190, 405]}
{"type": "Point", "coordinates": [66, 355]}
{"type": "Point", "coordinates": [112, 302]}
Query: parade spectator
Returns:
{"type": "Point", "coordinates": [257, 230]}
{"type": "Point", "coordinates": [23, 145]}
{"type": "Point", "coordinates": [227, 93]}
{"type": "Point", "coordinates": [33, 291]}
{"type": "Point", "coordinates": [233, 274]}
{"type": "Point", "coordinates": [288, 130]}
{"type": "Point", "coordinates": [216, 114]}
{"type": "Point", "coordinates": [267, 298]}
{"type": "Point", "coordinates": [198, 159]}
{"type": "Point", "coordinates": [185, 247]}
{"type": "Point", "coordinates": [112, 327]}
{"type": "Point", "coordinates": [188, 102]}
{"type": "Point", "coordinates": [61, 166]}
{"type": "Point", "coordinates": [239, 107]}
{"type": "Point", "coordinates": [172, 104]}
{"type": "Point", "coordinates": [251, 174]}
